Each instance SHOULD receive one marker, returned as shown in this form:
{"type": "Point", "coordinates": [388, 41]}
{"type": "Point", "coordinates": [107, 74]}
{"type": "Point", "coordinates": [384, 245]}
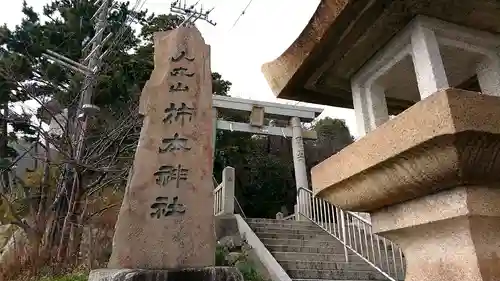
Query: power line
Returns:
{"type": "Point", "coordinates": [242, 13]}
{"type": "Point", "coordinates": [137, 7]}
{"type": "Point", "coordinates": [192, 14]}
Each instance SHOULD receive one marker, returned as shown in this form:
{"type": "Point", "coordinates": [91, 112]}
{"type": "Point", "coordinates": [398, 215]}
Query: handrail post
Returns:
{"type": "Point", "coordinates": [344, 236]}
{"type": "Point", "coordinates": [228, 191]}
{"type": "Point", "coordinates": [296, 211]}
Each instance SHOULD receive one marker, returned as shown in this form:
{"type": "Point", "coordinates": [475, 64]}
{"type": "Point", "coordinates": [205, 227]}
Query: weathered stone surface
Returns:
{"type": "Point", "coordinates": [429, 179]}
{"type": "Point", "coordinates": [452, 235]}
{"type": "Point", "coordinates": [279, 216]}
{"type": "Point", "coordinates": [233, 257]}
{"type": "Point", "coordinates": [450, 139]}
{"type": "Point", "coordinates": [166, 218]}
{"type": "Point", "coordinates": [231, 242]}
{"type": "Point", "coordinates": [226, 225]}
{"type": "Point", "coordinates": [202, 274]}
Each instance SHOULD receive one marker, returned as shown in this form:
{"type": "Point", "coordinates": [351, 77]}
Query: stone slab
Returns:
{"type": "Point", "coordinates": [226, 225]}
{"type": "Point", "coordinates": [448, 139]}
{"type": "Point", "coordinates": [452, 235]}
{"type": "Point", "coordinates": [166, 219]}
{"type": "Point", "coordinates": [198, 274]}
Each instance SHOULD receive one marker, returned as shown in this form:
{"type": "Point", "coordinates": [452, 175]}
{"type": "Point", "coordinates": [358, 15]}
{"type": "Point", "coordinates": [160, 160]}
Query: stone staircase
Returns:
{"type": "Point", "coordinates": [308, 253]}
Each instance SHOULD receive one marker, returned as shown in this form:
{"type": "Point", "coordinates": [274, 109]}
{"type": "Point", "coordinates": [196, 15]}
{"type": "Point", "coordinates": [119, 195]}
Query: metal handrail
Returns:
{"type": "Point", "coordinates": [214, 181]}
{"type": "Point", "coordinates": [355, 233]}
{"type": "Point", "coordinates": [239, 207]}
{"type": "Point", "coordinates": [218, 197]}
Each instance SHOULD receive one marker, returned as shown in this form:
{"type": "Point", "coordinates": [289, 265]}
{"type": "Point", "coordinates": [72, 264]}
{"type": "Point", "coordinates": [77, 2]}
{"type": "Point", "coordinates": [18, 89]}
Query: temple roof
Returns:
{"type": "Point", "coordinates": [343, 35]}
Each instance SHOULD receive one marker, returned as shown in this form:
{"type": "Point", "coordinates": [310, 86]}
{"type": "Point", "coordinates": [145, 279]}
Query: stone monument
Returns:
{"type": "Point", "coordinates": [165, 228]}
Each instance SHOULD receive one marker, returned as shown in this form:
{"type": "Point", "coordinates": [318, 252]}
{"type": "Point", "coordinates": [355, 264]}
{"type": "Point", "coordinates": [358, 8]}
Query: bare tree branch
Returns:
{"type": "Point", "coordinates": [87, 218]}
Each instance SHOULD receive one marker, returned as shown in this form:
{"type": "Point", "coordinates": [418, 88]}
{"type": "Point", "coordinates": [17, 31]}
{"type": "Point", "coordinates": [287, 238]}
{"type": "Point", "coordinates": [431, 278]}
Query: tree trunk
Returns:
{"type": "Point", "coordinates": [70, 220]}
{"type": "Point", "coordinates": [54, 227]}
{"type": "Point", "coordinates": [76, 233]}
{"type": "Point", "coordinates": [75, 241]}
{"type": "Point", "coordinates": [34, 258]}
{"type": "Point", "coordinates": [69, 185]}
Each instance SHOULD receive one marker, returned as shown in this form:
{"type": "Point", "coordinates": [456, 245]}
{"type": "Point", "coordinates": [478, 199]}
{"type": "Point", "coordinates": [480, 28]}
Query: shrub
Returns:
{"type": "Point", "coordinates": [248, 271]}
{"type": "Point", "coordinates": [220, 256]}
{"type": "Point", "coordinates": [244, 265]}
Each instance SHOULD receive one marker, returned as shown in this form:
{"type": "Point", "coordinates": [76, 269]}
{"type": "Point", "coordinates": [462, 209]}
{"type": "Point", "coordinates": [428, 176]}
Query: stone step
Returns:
{"type": "Point", "coordinates": [279, 256]}
{"type": "Point", "coordinates": [281, 223]}
{"type": "Point", "coordinates": [335, 274]}
{"type": "Point", "coordinates": [326, 280]}
{"type": "Point", "coordinates": [323, 237]}
{"type": "Point", "coordinates": [252, 220]}
{"type": "Point", "coordinates": [379, 256]}
{"type": "Point", "coordinates": [295, 246]}
{"type": "Point", "coordinates": [315, 265]}
{"type": "Point", "coordinates": [281, 230]}
{"type": "Point", "coordinates": [305, 279]}
{"type": "Point", "coordinates": [305, 249]}
{"type": "Point", "coordinates": [352, 240]}
{"type": "Point", "coordinates": [332, 243]}
{"type": "Point", "coordinates": [307, 228]}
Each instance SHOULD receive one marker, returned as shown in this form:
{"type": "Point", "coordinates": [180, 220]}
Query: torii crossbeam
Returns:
{"type": "Point", "coordinates": [258, 111]}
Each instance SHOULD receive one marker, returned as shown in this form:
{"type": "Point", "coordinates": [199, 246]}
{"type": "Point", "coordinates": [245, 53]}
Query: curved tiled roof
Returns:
{"type": "Point", "coordinates": [342, 35]}
{"type": "Point", "coordinates": [280, 71]}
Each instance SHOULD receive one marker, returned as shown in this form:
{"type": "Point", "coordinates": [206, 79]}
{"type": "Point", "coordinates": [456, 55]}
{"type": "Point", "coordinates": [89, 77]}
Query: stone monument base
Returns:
{"type": "Point", "coordinates": [189, 274]}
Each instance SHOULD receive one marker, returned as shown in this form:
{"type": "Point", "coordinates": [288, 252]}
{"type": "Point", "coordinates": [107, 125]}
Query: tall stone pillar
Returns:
{"type": "Point", "coordinates": [165, 228]}
{"type": "Point", "coordinates": [429, 178]}
{"type": "Point", "coordinates": [299, 161]}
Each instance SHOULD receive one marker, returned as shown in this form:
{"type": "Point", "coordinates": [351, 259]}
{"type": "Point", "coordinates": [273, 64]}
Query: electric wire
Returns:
{"type": "Point", "coordinates": [242, 13]}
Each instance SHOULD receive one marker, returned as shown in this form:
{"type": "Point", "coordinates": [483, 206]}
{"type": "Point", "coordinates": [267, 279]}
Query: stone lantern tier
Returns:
{"type": "Point", "coordinates": [430, 179]}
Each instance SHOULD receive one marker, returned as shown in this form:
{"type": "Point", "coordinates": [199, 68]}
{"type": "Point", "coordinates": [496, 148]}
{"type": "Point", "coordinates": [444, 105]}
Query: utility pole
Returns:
{"type": "Point", "coordinates": [77, 123]}
{"type": "Point", "coordinates": [190, 12]}
{"type": "Point", "coordinates": [94, 59]}
{"type": "Point", "coordinates": [89, 66]}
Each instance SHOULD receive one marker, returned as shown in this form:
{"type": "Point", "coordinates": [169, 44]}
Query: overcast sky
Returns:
{"type": "Point", "coordinates": [265, 31]}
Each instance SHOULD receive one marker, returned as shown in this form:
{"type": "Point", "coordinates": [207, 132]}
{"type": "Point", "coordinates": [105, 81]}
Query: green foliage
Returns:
{"type": "Point", "coordinates": [5, 163]}
{"type": "Point", "coordinates": [264, 168]}
{"type": "Point", "coordinates": [220, 256]}
{"type": "Point", "coordinates": [329, 129]}
{"type": "Point", "coordinates": [265, 180]}
{"type": "Point", "coordinates": [249, 273]}
{"type": "Point", "coordinates": [7, 211]}
{"type": "Point", "coordinates": [124, 71]}
{"type": "Point", "coordinates": [6, 232]}
{"type": "Point", "coordinates": [13, 209]}
{"type": "Point", "coordinates": [25, 74]}
{"type": "Point", "coordinates": [244, 265]}
{"type": "Point", "coordinates": [333, 136]}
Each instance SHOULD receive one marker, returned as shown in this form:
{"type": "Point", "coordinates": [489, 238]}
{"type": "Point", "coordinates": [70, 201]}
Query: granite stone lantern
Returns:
{"type": "Point", "coordinates": [430, 176]}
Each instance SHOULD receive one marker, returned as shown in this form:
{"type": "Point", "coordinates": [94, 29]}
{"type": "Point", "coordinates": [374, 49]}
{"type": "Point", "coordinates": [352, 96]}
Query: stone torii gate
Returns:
{"type": "Point", "coordinates": [258, 112]}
